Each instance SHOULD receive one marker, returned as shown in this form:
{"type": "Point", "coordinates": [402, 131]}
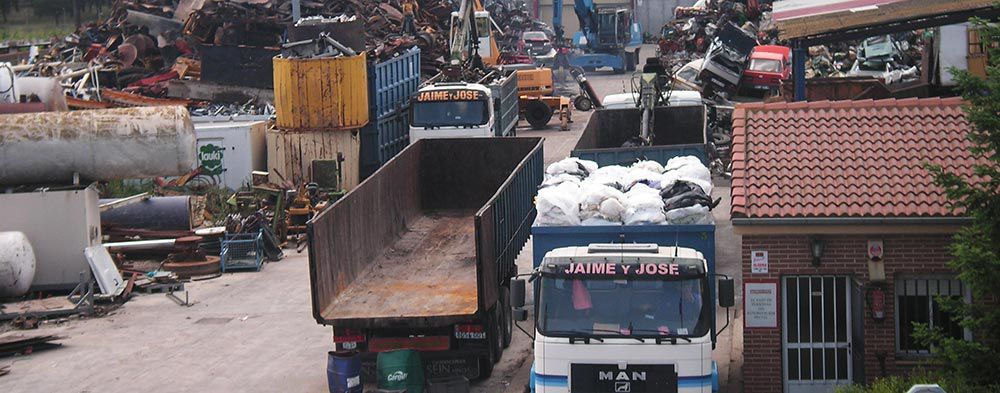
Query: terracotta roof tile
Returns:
{"type": "Point", "coordinates": [846, 158]}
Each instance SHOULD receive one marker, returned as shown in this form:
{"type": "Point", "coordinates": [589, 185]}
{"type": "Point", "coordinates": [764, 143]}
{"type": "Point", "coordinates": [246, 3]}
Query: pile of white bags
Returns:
{"type": "Point", "coordinates": [578, 192]}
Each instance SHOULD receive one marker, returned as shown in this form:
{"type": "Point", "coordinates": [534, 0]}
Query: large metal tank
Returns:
{"type": "Point", "coordinates": [17, 264]}
{"type": "Point", "coordinates": [106, 144]}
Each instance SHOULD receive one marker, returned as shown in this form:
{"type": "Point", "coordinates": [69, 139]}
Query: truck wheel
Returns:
{"type": "Point", "coordinates": [583, 103]}
{"type": "Point", "coordinates": [538, 114]}
{"type": "Point", "coordinates": [507, 321]}
{"type": "Point", "coordinates": [493, 343]}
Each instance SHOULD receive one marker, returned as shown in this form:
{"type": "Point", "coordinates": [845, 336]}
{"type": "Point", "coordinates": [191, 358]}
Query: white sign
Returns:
{"type": "Point", "coordinates": [760, 304]}
{"type": "Point", "coordinates": [758, 262]}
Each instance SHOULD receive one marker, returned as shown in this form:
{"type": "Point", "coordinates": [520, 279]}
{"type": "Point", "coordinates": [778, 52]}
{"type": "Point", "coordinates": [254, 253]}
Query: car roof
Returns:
{"type": "Point", "coordinates": [771, 52]}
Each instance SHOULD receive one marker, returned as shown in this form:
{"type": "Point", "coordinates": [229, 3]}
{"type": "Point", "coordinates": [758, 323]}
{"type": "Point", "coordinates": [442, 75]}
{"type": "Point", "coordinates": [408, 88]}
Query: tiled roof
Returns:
{"type": "Point", "coordinates": [846, 158]}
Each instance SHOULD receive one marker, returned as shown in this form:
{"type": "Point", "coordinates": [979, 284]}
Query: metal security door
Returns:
{"type": "Point", "coordinates": [816, 333]}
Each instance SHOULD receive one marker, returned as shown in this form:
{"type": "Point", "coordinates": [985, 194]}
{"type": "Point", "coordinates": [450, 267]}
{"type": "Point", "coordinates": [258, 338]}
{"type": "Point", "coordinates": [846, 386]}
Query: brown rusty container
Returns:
{"type": "Point", "coordinates": [290, 154]}
{"type": "Point", "coordinates": [325, 94]}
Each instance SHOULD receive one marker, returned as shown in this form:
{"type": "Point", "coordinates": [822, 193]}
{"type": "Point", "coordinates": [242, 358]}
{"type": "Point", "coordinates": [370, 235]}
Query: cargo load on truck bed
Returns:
{"type": "Point", "coordinates": [429, 238]}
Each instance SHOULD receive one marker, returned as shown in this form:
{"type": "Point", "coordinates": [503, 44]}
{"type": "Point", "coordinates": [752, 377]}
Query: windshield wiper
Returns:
{"type": "Point", "coordinates": [619, 333]}
{"type": "Point", "coordinates": [576, 335]}
{"type": "Point", "coordinates": [672, 339]}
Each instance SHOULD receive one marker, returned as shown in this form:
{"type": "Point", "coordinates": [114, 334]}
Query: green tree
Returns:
{"type": "Point", "coordinates": [976, 248]}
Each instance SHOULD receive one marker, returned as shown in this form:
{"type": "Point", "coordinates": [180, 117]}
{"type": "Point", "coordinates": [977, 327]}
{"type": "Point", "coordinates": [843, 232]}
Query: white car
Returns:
{"type": "Point", "coordinates": [686, 78]}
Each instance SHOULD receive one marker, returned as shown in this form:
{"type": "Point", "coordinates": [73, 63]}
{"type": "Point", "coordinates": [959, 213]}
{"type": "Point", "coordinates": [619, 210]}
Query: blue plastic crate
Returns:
{"type": "Point", "coordinates": [242, 251]}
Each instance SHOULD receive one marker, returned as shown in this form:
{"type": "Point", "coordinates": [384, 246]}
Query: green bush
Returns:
{"type": "Point", "coordinates": [900, 384]}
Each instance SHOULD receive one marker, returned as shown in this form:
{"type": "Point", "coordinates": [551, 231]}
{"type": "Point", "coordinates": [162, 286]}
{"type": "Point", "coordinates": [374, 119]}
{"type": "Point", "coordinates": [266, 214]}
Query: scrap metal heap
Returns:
{"type": "Point", "coordinates": [892, 58]}
{"type": "Point", "coordinates": [147, 50]}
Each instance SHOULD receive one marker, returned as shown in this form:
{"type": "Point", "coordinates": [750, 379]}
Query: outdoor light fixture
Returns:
{"type": "Point", "coordinates": [816, 247]}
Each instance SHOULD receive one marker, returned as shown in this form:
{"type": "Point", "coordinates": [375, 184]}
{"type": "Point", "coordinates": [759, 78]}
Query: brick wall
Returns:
{"type": "Point", "coordinates": [843, 255]}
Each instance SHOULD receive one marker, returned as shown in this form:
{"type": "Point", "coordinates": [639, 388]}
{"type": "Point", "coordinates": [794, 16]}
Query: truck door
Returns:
{"type": "Point", "coordinates": [817, 334]}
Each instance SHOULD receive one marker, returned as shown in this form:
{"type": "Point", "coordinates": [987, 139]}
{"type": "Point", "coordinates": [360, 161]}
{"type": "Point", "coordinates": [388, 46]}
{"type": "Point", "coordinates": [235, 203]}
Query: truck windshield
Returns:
{"type": "Point", "coordinates": [449, 113]}
{"type": "Point", "coordinates": [627, 308]}
{"type": "Point", "coordinates": [765, 65]}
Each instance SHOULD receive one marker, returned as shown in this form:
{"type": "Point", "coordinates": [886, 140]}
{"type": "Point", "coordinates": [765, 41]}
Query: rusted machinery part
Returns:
{"type": "Point", "coordinates": [191, 269]}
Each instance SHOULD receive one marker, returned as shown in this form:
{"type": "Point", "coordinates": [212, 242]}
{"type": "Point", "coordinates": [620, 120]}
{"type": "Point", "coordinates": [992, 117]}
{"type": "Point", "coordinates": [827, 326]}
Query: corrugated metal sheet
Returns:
{"type": "Point", "coordinates": [391, 83]}
{"type": "Point", "coordinates": [291, 154]}
{"type": "Point", "coordinates": [321, 94]}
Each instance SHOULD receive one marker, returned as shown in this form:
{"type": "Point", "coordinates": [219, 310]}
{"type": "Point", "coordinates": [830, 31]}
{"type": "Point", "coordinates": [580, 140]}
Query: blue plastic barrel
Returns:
{"type": "Point", "coordinates": [343, 372]}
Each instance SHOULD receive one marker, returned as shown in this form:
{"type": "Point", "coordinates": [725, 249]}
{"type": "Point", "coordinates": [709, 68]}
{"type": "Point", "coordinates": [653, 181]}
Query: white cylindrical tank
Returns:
{"type": "Point", "coordinates": [100, 144]}
{"type": "Point", "coordinates": [17, 264]}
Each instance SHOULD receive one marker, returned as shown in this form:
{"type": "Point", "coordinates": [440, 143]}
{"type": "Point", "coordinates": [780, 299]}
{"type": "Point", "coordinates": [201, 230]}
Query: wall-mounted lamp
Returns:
{"type": "Point", "coordinates": [816, 248]}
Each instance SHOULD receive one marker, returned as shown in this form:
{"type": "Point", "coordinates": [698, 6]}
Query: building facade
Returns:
{"type": "Point", "coordinates": [845, 237]}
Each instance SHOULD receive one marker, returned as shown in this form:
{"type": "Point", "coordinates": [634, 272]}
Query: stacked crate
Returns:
{"type": "Point", "coordinates": [321, 104]}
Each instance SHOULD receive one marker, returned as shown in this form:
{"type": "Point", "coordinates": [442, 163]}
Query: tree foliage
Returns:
{"type": "Point", "coordinates": [976, 248]}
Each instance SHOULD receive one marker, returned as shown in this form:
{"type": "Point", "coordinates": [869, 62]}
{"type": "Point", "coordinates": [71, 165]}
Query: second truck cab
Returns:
{"type": "Point", "coordinates": [623, 318]}
{"type": "Point", "coordinates": [451, 110]}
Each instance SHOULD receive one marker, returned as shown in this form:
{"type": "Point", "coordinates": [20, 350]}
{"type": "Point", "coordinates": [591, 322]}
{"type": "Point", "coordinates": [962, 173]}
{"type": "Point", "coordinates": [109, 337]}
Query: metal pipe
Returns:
{"type": "Point", "coordinates": [336, 44]}
{"type": "Point", "coordinates": [102, 144]}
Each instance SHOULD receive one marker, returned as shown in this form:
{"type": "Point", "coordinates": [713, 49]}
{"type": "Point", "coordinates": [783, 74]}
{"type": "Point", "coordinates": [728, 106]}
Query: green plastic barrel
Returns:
{"type": "Point", "coordinates": [400, 369]}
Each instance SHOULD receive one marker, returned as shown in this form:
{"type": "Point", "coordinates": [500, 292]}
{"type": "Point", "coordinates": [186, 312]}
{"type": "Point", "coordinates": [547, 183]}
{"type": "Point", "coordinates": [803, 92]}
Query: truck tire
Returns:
{"type": "Point", "coordinates": [537, 114]}
{"type": "Point", "coordinates": [493, 343]}
{"type": "Point", "coordinates": [583, 103]}
{"type": "Point", "coordinates": [507, 320]}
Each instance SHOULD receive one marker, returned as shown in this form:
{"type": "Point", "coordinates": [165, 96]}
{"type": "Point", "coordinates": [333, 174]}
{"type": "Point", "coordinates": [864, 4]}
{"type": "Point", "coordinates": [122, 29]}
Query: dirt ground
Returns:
{"type": "Point", "coordinates": [255, 332]}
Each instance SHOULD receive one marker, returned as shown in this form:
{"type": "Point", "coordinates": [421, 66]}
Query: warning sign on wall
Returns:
{"type": "Point", "coordinates": [758, 262]}
{"type": "Point", "coordinates": [760, 304]}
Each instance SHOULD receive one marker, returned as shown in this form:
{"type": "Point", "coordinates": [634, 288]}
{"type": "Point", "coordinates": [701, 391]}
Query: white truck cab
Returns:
{"type": "Point", "coordinates": [451, 110]}
{"type": "Point", "coordinates": [622, 318]}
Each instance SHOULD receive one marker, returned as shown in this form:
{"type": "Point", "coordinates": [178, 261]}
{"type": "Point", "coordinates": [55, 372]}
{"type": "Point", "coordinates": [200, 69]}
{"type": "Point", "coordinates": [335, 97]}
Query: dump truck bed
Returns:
{"type": "Point", "coordinates": [429, 238]}
{"type": "Point", "coordinates": [440, 246]}
{"type": "Point", "coordinates": [677, 131]}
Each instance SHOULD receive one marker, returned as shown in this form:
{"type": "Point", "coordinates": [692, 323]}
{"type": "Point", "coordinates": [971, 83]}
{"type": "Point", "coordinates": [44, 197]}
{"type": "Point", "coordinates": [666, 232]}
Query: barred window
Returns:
{"type": "Point", "coordinates": [916, 303]}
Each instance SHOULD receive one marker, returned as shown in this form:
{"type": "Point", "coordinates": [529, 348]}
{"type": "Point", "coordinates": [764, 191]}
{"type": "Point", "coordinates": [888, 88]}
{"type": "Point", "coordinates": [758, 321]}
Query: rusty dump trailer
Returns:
{"type": "Point", "coordinates": [420, 254]}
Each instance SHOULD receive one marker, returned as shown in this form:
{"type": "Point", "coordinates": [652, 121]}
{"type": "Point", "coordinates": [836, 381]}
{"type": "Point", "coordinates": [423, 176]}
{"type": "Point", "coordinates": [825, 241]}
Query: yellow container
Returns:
{"type": "Point", "coordinates": [290, 154]}
{"type": "Point", "coordinates": [321, 94]}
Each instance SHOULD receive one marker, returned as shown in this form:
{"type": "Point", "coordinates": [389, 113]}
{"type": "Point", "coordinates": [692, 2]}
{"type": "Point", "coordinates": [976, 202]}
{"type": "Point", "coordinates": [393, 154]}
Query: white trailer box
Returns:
{"type": "Point", "coordinates": [229, 151]}
{"type": "Point", "coordinates": [59, 225]}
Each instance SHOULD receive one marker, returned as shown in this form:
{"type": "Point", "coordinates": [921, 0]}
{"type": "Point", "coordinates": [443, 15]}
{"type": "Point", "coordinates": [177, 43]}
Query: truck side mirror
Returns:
{"type": "Point", "coordinates": [519, 314]}
{"type": "Point", "coordinates": [727, 293]}
{"type": "Point", "coordinates": [517, 293]}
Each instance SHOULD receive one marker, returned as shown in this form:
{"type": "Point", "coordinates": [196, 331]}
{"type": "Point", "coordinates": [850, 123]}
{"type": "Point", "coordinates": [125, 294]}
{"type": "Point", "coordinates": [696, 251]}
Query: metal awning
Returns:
{"type": "Point", "coordinates": [805, 18]}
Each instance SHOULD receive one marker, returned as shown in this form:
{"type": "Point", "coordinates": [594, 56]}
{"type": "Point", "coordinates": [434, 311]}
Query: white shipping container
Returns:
{"type": "Point", "coordinates": [229, 151]}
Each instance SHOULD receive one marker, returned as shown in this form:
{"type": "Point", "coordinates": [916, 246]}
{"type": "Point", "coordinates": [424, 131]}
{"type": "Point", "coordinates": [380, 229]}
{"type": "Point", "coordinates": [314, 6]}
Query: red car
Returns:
{"type": "Point", "coordinates": [769, 64]}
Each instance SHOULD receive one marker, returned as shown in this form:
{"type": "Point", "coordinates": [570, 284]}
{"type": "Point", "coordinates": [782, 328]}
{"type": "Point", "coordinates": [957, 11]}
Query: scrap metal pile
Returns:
{"type": "Point", "coordinates": [893, 58]}
{"type": "Point", "coordinates": [690, 34]}
{"type": "Point", "coordinates": [215, 56]}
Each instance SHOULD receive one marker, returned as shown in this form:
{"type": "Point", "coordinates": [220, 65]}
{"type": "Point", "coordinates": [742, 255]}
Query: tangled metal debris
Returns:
{"type": "Point", "coordinates": [212, 47]}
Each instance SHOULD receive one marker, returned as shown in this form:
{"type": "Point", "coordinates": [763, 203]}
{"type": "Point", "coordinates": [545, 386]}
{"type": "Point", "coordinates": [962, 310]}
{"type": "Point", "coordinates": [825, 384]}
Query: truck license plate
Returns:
{"type": "Point", "coordinates": [635, 378]}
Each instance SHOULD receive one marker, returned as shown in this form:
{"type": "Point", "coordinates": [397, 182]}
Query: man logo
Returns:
{"type": "Point", "coordinates": [623, 387]}
{"type": "Point", "coordinates": [621, 376]}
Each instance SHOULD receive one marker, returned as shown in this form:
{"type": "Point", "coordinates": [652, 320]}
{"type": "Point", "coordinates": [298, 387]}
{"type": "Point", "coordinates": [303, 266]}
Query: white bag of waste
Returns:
{"type": "Point", "coordinates": [612, 175]}
{"type": "Point", "coordinates": [689, 168]}
{"type": "Point", "coordinates": [643, 205]}
{"type": "Point", "coordinates": [691, 215]}
{"type": "Point", "coordinates": [594, 195]}
{"type": "Point", "coordinates": [573, 166]}
{"type": "Point", "coordinates": [559, 179]}
{"type": "Point", "coordinates": [649, 165]}
{"type": "Point", "coordinates": [559, 205]}
{"type": "Point", "coordinates": [677, 162]}
{"type": "Point", "coordinates": [643, 176]}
